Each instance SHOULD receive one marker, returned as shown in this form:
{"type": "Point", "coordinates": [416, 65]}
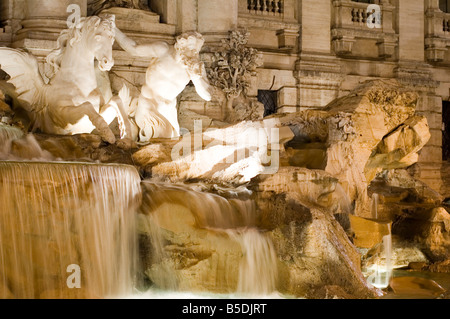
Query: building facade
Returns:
{"type": "Point", "coordinates": [313, 50]}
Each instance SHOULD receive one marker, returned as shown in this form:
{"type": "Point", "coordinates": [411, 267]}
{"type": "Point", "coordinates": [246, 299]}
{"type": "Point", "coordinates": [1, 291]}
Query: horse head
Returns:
{"type": "Point", "coordinates": [102, 41]}
{"type": "Point", "coordinates": [95, 35]}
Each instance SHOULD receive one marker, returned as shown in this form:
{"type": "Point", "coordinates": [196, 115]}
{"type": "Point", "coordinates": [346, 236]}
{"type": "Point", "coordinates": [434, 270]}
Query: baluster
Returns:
{"type": "Point", "coordinates": [280, 7]}
{"type": "Point", "coordinates": [258, 6]}
{"type": "Point", "coordinates": [249, 5]}
{"type": "Point", "coordinates": [268, 6]}
{"type": "Point", "coordinates": [264, 6]}
{"type": "Point", "coordinates": [273, 7]}
{"type": "Point", "coordinates": [364, 16]}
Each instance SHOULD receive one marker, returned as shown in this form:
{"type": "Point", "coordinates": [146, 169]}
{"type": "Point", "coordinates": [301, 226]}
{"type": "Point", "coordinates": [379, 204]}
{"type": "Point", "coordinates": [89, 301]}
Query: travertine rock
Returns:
{"type": "Point", "coordinates": [399, 149]}
{"type": "Point", "coordinates": [357, 124]}
{"type": "Point", "coordinates": [184, 254]}
{"type": "Point", "coordinates": [443, 266]}
{"type": "Point", "coordinates": [398, 192]}
{"type": "Point", "coordinates": [313, 249]}
{"type": "Point", "coordinates": [368, 233]}
{"type": "Point", "coordinates": [232, 155]}
{"type": "Point", "coordinates": [430, 230]}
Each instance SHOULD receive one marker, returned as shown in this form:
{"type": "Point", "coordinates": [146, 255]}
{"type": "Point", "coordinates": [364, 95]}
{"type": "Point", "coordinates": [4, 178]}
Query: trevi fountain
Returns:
{"type": "Point", "coordinates": [109, 189]}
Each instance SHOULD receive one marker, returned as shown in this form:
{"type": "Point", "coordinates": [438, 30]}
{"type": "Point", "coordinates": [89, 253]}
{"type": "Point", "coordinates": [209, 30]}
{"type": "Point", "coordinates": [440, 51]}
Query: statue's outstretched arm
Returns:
{"type": "Point", "coordinates": [202, 84]}
{"type": "Point", "coordinates": [150, 50]}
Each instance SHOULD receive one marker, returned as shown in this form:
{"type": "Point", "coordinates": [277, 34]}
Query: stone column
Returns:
{"type": "Point", "coordinates": [411, 14]}
{"type": "Point", "coordinates": [167, 9]}
{"type": "Point", "coordinates": [216, 18]}
{"type": "Point", "coordinates": [187, 16]}
{"type": "Point", "coordinates": [317, 71]}
{"type": "Point", "coordinates": [316, 20]}
{"type": "Point", "coordinates": [414, 71]}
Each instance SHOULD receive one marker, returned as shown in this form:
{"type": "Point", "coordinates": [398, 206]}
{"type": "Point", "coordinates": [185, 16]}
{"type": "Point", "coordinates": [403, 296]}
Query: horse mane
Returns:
{"type": "Point", "coordinates": [74, 34]}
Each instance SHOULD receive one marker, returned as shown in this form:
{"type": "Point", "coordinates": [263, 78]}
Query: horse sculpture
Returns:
{"type": "Point", "coordinates": [71, 102]}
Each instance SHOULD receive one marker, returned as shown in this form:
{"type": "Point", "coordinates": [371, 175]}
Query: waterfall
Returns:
{"type": "Point", "coordinates": [16, 146]}
{"type": "Point", "coordinates": [205, 216]}
{"type": "Point", "coordinates": [382, 269]}
{"type": "Point", "coordinates": [7, 134]}
{"type": "Point", "coordinates": [67, 230]}
{"type": "Point", "coordinates": [375, 206]}
{"type": "Point", "coordinates": [258, 269]}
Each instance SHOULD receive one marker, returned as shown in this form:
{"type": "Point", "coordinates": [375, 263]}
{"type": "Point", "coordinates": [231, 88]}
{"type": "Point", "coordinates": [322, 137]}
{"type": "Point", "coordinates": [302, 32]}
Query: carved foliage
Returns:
{"type": "Point", "coordinates": [234, 64]}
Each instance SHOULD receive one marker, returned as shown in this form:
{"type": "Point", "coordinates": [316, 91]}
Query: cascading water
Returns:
{"type": "Point", "coordinates": [382, 269]}
{"type": "Point", "coordinates": [15, 145]}
{"type": "Point", "coordinates": [375, 206]}
{"type": "Point", "coordinates": [7, 134]}
{"type": "Point", "coordinates": [56, 217]}
{"type": "Point", "coordinates": [212, 222]}
{"type": "Point", "coordinates": [258, 269]}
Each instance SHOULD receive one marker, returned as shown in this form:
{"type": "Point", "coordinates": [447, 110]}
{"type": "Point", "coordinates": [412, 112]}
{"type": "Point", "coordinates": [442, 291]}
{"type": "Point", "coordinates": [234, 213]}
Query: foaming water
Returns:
{"type": "Point", "coordinates": [258, 269]}
{"type": "Point", "coordinates": [382, 269]}
{"type": "Point", "coordinates": [165, 294]}
{"type": "Point", "coordinates": [56, 216]}
{"type": "Point", "coordinates": [16, 146]}
{"type": "Point", "coordinates": [7, 134]}
{"type": "Point", "coordinates": [227, 221]}
{"type": "Point", "coordinates": [374, 209]}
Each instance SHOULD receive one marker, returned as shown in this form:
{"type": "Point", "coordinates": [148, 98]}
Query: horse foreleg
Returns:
{"type": "Point", "coordinates": [115, 105]}
{"type": "Point", "coordinates": [72, 114]}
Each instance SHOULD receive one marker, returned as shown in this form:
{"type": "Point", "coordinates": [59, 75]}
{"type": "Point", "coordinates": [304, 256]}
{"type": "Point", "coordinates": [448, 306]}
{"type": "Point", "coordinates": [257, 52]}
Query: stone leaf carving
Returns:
{"type": "Point", "coordinates": [233, 66]}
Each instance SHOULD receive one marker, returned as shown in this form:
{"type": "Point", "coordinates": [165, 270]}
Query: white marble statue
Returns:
{"type": "Point", "coordinates": [71, 102]}
{"type": "Point", "coordinates": [155, 111]}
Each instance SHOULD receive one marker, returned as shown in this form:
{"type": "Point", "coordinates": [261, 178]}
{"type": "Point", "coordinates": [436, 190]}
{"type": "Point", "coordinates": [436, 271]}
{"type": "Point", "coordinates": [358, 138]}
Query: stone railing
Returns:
{"type": "Point", "coordinates": [446, 24]}
{"type": "Point", "coordinates": [266, 7]}
{"type": "Point", "coordinates": [437, 32]}
{"type": "Point", "coordinates": [355, 20]}
{"type": "Point", "coordinates": [361, 15]}
{"type": "Point", "coordinates": [274, 21]}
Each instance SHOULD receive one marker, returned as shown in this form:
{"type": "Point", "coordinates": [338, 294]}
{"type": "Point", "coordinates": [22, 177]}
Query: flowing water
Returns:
{"type": "Point", "coordinates": [225, 225]}
{"type": "Point", "coordinates": [382, 269]}
{"type": "Point", "coordinates": [66, 225]}
{"type": "Point", "coordinates": [15, 145]}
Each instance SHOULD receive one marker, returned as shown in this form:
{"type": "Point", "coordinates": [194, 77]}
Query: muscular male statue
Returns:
{"type": "Point", "coordinates": [167, 75]}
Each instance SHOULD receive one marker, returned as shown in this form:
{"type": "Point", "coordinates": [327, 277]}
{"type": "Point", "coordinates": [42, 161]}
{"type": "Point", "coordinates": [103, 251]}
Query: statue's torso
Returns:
{"type": "Point", "coordinates": [165, 78]}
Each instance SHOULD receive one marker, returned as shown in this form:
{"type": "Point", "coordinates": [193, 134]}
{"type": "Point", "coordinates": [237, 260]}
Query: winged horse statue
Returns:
{"type": "Point", "coordinates": [71, 101]}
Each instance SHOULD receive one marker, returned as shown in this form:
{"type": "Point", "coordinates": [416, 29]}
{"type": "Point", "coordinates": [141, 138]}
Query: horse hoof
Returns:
{"type": "Point", "coordinates": [126, 144]}
{"type": "Point", "coordinates": [109, 137]}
